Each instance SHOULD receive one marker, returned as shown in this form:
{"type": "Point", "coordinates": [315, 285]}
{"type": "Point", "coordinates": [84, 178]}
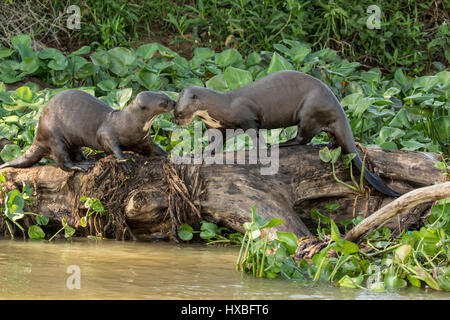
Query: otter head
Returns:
{"type": "Point", "coordinates": [187, 105]}
{"type": "Point", "coordinates": [147, 105]}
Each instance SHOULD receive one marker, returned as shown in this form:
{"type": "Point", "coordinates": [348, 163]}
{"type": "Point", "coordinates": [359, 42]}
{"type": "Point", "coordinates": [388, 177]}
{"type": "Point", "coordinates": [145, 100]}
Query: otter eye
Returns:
{"type": "Point", "coordinates": [163, 104]}
{"type": "Point", "coordinates": [194, 96]}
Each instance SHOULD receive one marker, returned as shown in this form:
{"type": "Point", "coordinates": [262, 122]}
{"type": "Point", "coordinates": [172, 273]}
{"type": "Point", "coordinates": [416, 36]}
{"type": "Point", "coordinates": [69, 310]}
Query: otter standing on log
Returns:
{"type": "Point", "coordinates": [73, 119]}
{"type": "Point", "coordinates": [281, 99]}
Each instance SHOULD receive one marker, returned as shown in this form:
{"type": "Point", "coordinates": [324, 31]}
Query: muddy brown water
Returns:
{"type": "Point", "coordinates": [138, 270]}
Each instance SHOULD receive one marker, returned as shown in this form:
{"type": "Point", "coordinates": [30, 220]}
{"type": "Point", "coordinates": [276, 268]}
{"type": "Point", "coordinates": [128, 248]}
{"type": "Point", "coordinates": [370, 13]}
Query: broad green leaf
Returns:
{"type": "Point", "coordinates": [218, 83]}
{"type": "Point", "coordinates": [120, 60]}
{"type": "Point", "coordinates": [444, 78]}
{"type": "Point", "coordinates": [82, 51]}
{"type": "Point", "coordinates": [400, 120]}
{"type": "Point", "coordinates": [335, 234]}
{"type": "Point", "coordinates": [5, 52]}
{"type": "Point", "coordinates": [426, 83]}
{"type": "Point", "coordinates": [42, 220]}
{"type": "Point", "coordinates": [400, 78]}
{"type": "Point", "coordinates": [10, 152]}
{"type": "Point", "coordinates": [332, 206]}
{"type": "Point", "coordinates": [289, 240]}
{"type": "Point", "coordinates": [208, 230]}
{"type": "Point", "coordinates": [123, 96]}
{"type": "Point", "coordinates": [149, 80]}
{"type": "Point", "coordinates": [8, 131]}
{"type": "Point", "coordinates": [378, 287]}
{"type": "Point", "coordinates": [25, 52]}
{"type": "Point", "coordinates": [411, 145]}
{"type": "Point", "coordinates": [49, 53]}
{"type": "Point", "coordinates": [299, 52]}
{"type": "Point", "coordinates": [373, 75]}
{"type": "Point", "coordinates": [347, 159]}
{"type": "Point", "coordinates": [60, 63]}
{"type": "Point", "coordinates": [21, 39]}
{"type": "Point", "coordinates": [352, 99]}
{"type": "Point", "coordinates": [11, 119]}
{"type": "Point", "coordinates": [83, 222]}
{"type": "Point", "coordinates": [29, 65]}
{"type": "Point", "coordinates": [414, 281]}
{"type": "Point", "coordinates": [402, 253]}
{"type": "Point", "coordinates": [107, 85]}
{"type": "Point", "coordinates": [191, 82]}
{"type": "Point", "coordinates": [274, 222]}
{"type": "Point", "coordinates": [68, 231]}
{"type": "Point", "coordinates": [278, 63]}
{"type": "Point", "coordinates": [203, 54]}
{"type": "Point", "coordinates": [237, 78]}
{"type": "Point", "coordinates": [23, 93]}
{"type": "Point", "coordinates": [228, 57]}
{"type": "Point", "coordinates": [60, 78]}
{"type": "Point", "coordinates": [420, 97]}
{"type": "Point", "coordinates": [442, 126]}
{"type": "Point", "coordinates": [348, 282]}
{"type": "Point", "coordinates": [325, 154]}
{"type": "Point", "coordinates": [443, 278]}
{"type": "Point", "coordinates": [362, 106]}
{"type": "Point", "coordinates": [35, 232]}
{"type": "Point", "coordinates": [147, 51]}
{"type": "Point", "coordinates": [391, 281]}
{"type": "Point", "coordinates": [389, 134]}
{"type": "Point", "coordinates": [185, 232]}
{"type": "Point", "coordinates": [392, 91]}
{"type": "Point", "coordinates": [86, 70]}
{"type": "Point", "coordinates": [101, 58]}
{"type": "Point", "coordinates": [335, 153]}
{"type": "Point", "coordinates": [253, 59]}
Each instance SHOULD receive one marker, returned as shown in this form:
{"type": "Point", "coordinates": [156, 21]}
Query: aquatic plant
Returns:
{"type": "Point", "coordinates": [379, 262]}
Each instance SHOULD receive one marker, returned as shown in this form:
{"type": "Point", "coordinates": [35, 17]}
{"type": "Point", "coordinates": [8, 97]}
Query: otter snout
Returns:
{"type": "Point", "coordinates": [171, 104]}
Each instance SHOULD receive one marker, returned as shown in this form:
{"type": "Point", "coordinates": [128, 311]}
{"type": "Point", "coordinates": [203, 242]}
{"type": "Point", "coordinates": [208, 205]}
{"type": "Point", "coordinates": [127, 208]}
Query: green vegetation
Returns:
{"type": "Point", "coordinates": [413, 34]}
{"type": "Point", "coordinates": [393, 83]}
{"type": "Point", "coordinates": [395, 112]}
{"type": "Point", "coordinates": [211, 234]}
{"type": "Point", "coordinates": [380, 262]}
{"type": "Point", "coordinates": [12, 211]}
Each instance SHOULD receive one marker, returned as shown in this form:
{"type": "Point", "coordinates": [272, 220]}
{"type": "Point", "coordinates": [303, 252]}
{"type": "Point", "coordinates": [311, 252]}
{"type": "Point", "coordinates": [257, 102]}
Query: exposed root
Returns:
{"type": "Point", "coordinates": [185, 191]}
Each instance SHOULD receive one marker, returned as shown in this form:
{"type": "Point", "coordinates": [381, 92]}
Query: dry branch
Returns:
{"type": "Point", "coordinates": [399, 206]}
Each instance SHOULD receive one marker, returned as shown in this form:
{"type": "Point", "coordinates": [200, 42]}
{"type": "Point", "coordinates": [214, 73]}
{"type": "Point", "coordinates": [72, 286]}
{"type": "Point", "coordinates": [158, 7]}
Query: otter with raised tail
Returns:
{"type": "Point", "coordinates": [281, 99]}
{"type": "Point", "coordinates": [73, 119]}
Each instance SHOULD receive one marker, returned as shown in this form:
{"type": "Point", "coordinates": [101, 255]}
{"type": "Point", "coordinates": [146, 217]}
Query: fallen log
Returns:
{"type": "Point", "coordinates": [137, 202]}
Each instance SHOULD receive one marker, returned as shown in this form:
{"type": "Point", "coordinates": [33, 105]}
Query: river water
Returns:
{"type": "Point", "coordinates": [140, 270]}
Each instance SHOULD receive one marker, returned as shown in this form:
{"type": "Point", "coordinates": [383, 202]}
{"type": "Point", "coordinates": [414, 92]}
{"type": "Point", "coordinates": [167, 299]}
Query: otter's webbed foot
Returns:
{"type": "Point", "coordinates": [125, 164]}
{"type": "Point", "coordinates": [80, 166]}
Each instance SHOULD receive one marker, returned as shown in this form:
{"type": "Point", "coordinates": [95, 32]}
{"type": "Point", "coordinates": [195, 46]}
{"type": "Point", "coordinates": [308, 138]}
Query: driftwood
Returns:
{"type": "Point", "coordinates": [138, 202]}
{"type": "Point", "coordinates": [399, 206]}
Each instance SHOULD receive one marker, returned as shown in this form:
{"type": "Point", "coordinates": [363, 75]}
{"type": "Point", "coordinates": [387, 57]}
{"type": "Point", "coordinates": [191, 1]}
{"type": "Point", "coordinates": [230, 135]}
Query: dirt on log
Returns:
{"type": "Point", "coordinates": [150, 201]}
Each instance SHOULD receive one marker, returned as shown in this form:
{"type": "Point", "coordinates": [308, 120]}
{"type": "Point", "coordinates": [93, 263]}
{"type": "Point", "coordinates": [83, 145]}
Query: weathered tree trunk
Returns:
{"type": "Point", "coordinates": [137, 202]}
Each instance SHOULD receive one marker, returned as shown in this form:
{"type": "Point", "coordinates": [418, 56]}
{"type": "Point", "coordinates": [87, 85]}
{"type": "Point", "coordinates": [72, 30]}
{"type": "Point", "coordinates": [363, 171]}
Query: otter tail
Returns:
{"type": "Point", "coordinates": [30, 157]}
{"type": "Point", "coordinates": [344, 138]}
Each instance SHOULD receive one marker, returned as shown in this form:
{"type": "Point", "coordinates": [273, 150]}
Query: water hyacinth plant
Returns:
{"type": "Point", "coordinates": [379, 262]}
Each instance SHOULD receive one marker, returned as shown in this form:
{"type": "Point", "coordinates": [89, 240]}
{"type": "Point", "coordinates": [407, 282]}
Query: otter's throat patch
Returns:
{"type": "Point", "coordinates": [148, 124]}
{"type": "Point", "coordinates": [207, 119]}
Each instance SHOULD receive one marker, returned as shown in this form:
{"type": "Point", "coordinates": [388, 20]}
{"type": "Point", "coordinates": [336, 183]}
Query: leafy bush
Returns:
{"type": "Point", "coordinates": [396, 112]}
{"type": "Point", "coordinates": [413, 34]}
{"type": "Point", "coordinates": [381, 262]}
